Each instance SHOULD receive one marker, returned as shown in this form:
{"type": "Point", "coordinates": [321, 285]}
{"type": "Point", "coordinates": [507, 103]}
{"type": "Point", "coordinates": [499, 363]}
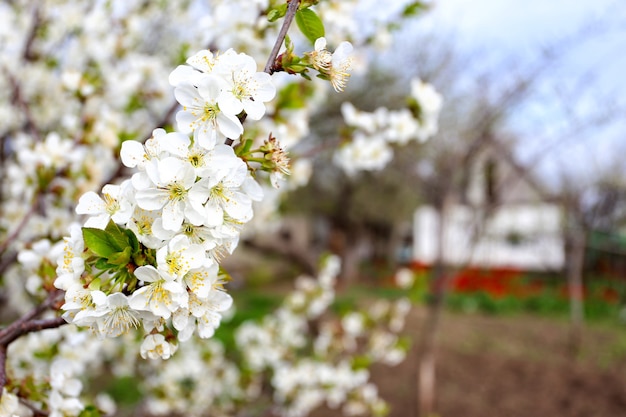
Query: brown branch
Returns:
{"type": "Point", "coordinates": [291, 13]}
{"type": "Point", "coordinates": [31, 326]}
{"type": "Point", "coordinates": [18, 100]}
{"type": "Point", "coordinates": [28, 323]}
{"type": "Point", "coordinates": [7, 260]}
{"type": "Point", "coordinates": [36, 411]}
{"type": "Point", "coordinates": [270, 66]}
{"type": "Point", "coordinates": [4, 245]}
{"type": "Point", "coordinates": [27, 53]}
{"type": "Point", "coordinates": [3, 367]}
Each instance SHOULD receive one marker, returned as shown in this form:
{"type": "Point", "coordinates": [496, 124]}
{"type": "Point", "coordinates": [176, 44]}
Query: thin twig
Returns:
{"type": "Point", "coordinates": [269, 66]}
{"type": "Point", "coordinates": [27, 53]}
{"type": "Point", "coordinates": [7, 260]}
{"type": "Point", "coordinates": [3, 373]}
{"type": "Point", "coordinates": [291, 13]}
{"type": "Point", "coordinates": [19, 101]}
{"type": "Point", "coordinates": [36, 411]}
{"type": "Point", "coordinates": [30, 327]}
{"type": "Point", "coordinates": [28, 323]}
{"type": "Point", "coordinates": [4, 245]}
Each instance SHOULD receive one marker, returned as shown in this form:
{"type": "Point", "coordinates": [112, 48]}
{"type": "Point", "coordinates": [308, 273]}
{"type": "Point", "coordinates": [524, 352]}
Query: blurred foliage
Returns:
{"type": "Point", "coordinates": [373, 202]}
{"type": "Point", "coordinates": [251, 305]}
{"type": "Point", "coordinates": [124, 390]}
{"type": "Point", "coordinates": [602, 300]}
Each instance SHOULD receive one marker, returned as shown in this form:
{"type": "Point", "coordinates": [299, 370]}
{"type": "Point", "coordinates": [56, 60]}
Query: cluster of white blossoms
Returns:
{"type": "Point", "coordinates": [214, 89]}
{"type": "Point", "coordinates": [148, 255]}
{"type": "Point", "coordinates": [203, 377]}
{"type": "Point", "coordinates": [332, 376]}
{"type": "Point", "coordinates": [271, 361]}
{"type": "Point", "coordinates": [370, 148]}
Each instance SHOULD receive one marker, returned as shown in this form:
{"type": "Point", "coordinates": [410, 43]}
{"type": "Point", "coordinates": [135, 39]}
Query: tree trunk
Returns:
{"type": "Point", "coordinates": [574, 270]}
{"type": "Point", "coordinates": [428, 351]}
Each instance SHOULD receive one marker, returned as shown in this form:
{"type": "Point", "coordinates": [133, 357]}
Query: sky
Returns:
{"type": "Point", "coordinates": [558, 136]}
{"type": "Point", "coordinates": [590, 76]}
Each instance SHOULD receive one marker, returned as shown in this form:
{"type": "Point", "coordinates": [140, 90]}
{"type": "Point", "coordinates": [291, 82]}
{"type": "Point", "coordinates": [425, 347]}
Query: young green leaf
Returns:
{"type": "Point", "coordinates": [120, 258]}
{"type": "Point", "coordinates": [310, 24]}
{"type": "Point", "coordinates": [117, 236]}
{"type": "Point", "coordinates": [276, 13]}
{"type": "Point", "coordinates": [414, 8]}
{"type": "Point", "coordinates": [132, 239]}
{"type": "Point", "coordinates": [99, 242]}
{"type": "Point", "coordinates": [90, 411]}
{"type": "Point", "coordinates": [102, 264]}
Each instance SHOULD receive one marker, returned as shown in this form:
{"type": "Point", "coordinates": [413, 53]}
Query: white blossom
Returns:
{"type": "Point", "coordinates": [161, 294]}
{"type": "Point", "coordinates": [155, 346]}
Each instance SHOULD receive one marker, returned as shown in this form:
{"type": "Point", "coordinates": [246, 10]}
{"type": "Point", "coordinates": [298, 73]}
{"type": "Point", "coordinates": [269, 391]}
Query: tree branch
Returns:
{"type": "Point", "coordinates": [5, 244]}
{"type": "Point", "coordinates": [271, 61]}
{"type": "Point", "coordinates": [19, 101]}
{"type": "Point", "coordinates": [3, 373]}
{"type": "Point", "coordinates": [291, 13]}
{"type": "Point", "coordinates": [30, 326]}
{"type": "Point", "coordinates": [28, 323]}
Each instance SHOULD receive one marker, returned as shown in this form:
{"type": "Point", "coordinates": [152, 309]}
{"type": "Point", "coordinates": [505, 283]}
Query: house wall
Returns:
{"type": "Point", "coordinates": [524, 236]}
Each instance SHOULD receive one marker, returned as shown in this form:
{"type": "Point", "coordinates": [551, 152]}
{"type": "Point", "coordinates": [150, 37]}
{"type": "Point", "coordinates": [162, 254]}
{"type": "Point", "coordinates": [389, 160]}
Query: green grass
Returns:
{"type": "Point", "coordinates": [546, 303]}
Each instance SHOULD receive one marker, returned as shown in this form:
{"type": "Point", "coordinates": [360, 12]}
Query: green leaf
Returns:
{"type": "Point", "coordinates": [117, 235]}
{"type": "Point", "coordinates": [288, 44]}
{"type": "Point", "coordinates": [100, 242]}
{"type": "Point", "coordinates": [297, 68]}
{"type": "Point", "coordinates": [310, 24]}
{"type": "Point", "coordinates": [90, 411]}
{"type": "Point", "coordinates": [102, 264]}
{"type": "Point", "coordinates": [412, 9]}
{"type": "Point", "coordinates": [132, 239]}
{"type": "Point", "coordinates": [120, 258]}
{"type": "Point", "coordinates": [95, 284]}
{"type": "Point", "coordinates": [276, 13]}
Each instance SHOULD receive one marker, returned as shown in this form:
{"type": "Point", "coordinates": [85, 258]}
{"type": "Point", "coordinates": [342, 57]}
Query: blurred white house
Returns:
{"type": "Point", "coordinates": [500, 218]}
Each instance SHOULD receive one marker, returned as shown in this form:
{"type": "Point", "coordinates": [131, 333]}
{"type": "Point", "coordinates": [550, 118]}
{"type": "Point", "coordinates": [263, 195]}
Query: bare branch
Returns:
{"type": "Point", "coordinates": [3, 373]}
{"type": "Point", "coordinates": [291, 13]}
{"type": "Point", "coordinates": [270, 66]}
{"type": "Point", "coordinates": [28, 323]}
{"type": "Point", "coordinates": [36, 411]}
{"type": "Point", "coordinates": [19, 101]}
{"type": "Point", "coordinates": [5, 244]}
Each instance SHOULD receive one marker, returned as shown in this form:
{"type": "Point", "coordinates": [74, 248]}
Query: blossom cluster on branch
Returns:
{"type": "Point", "coordinates": [147, 254]}
{"type": "Point", "coordinates": [372, 135]}
{"type": "Point", "coordinates": [150, 250]}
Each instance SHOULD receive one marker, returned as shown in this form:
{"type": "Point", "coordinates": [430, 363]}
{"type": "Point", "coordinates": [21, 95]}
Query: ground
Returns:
{"type": "Point", "coordinates": [515, 366]}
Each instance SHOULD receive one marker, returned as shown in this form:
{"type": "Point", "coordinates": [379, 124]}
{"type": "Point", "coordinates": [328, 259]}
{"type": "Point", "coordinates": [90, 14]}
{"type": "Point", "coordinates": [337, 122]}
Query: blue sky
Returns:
{"type": "Point", "coordinates": [590, 76]}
